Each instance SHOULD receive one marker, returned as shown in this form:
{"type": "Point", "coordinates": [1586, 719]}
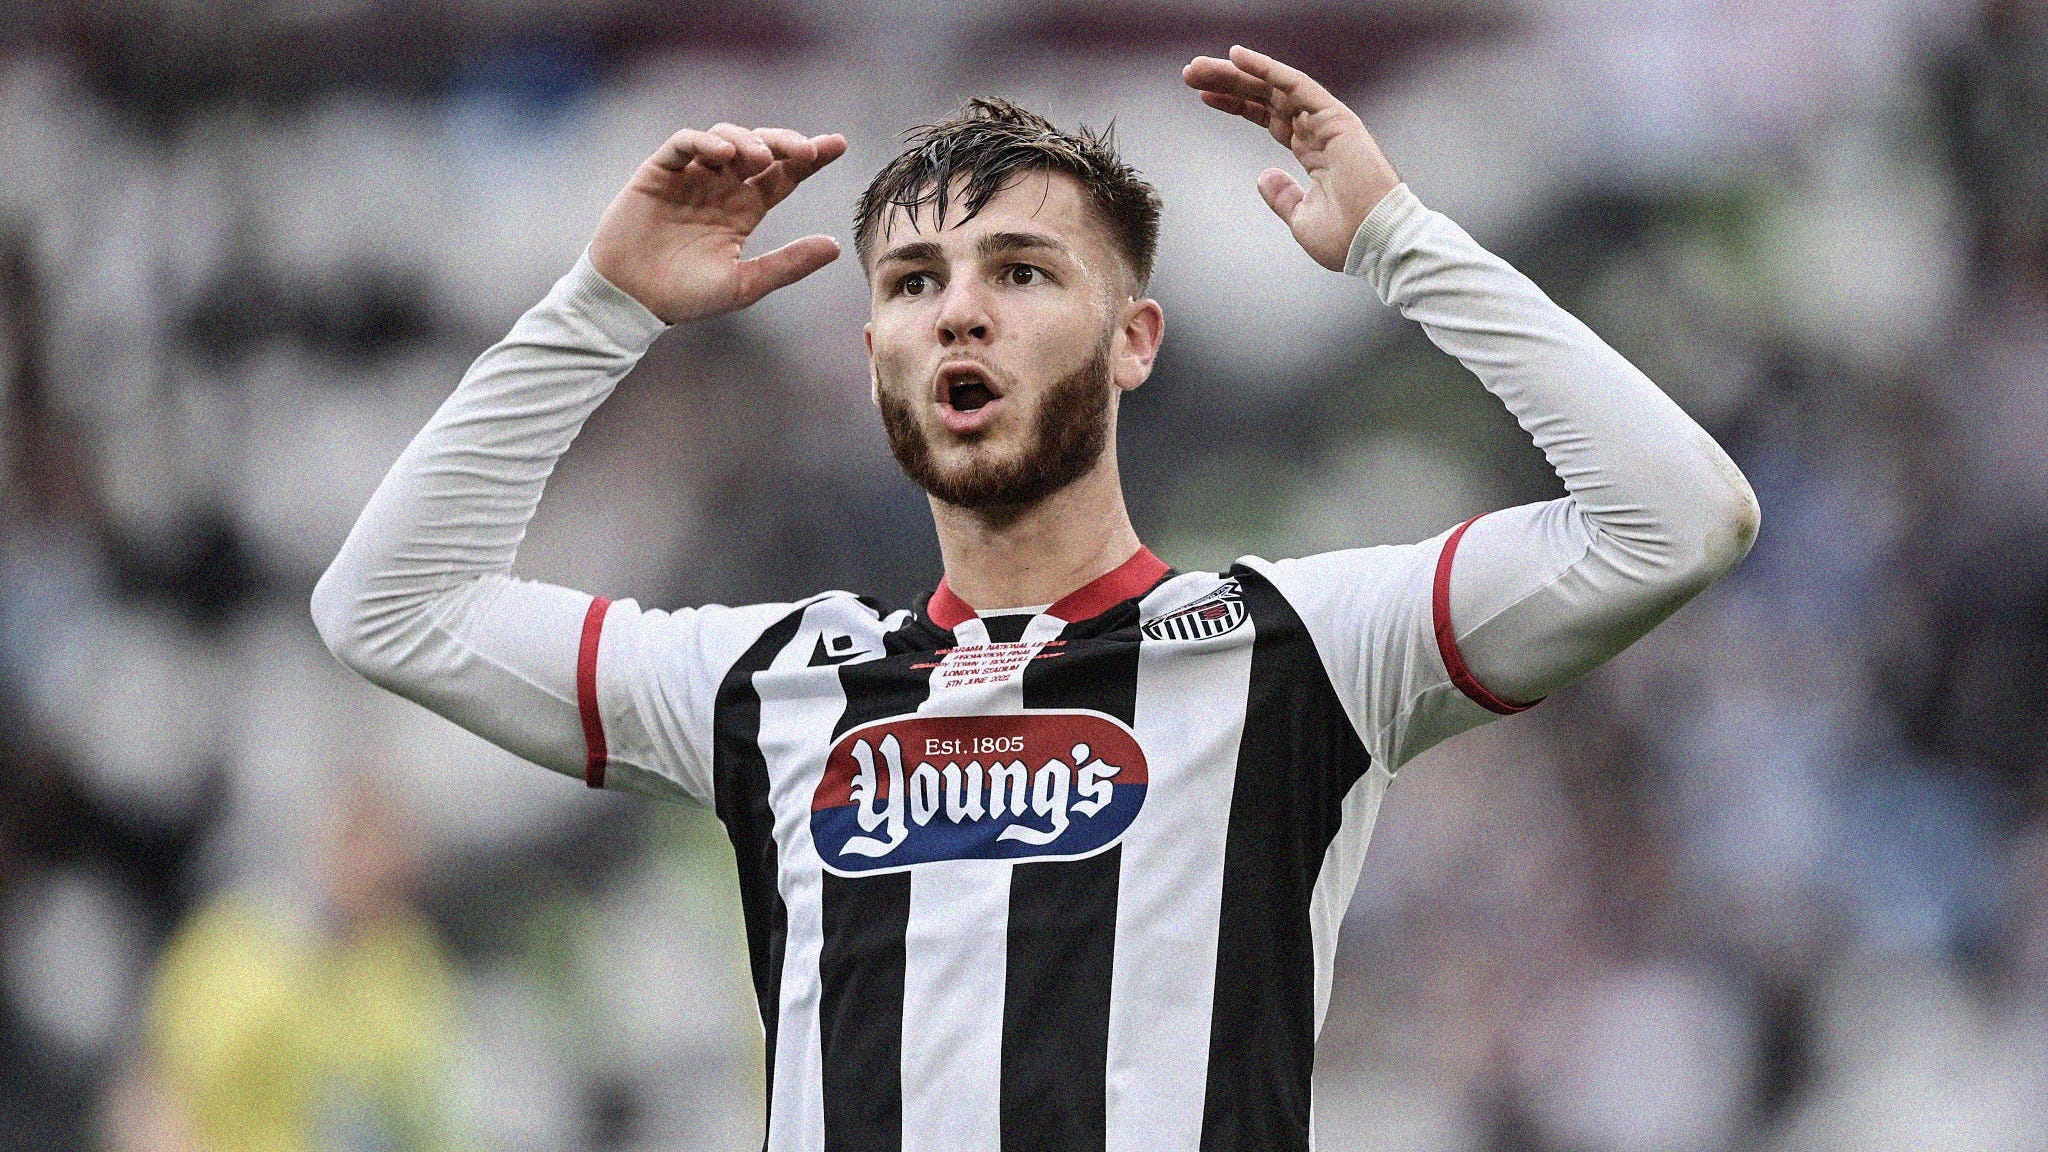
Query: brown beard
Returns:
{"type": "Point", "coordinates": [1068, 438]}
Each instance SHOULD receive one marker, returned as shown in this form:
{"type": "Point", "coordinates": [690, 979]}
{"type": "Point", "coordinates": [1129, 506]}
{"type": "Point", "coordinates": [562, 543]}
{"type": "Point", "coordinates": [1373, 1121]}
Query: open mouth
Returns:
{"type": "Point", "coordinates": [965, 388]}
{"type": "Point", "coordinates": [969, 395]}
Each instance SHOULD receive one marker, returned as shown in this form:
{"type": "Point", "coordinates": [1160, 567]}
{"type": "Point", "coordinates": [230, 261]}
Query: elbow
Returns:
{"type": "Point", "coordinates": [374, 631]}
{"type": "Point", "coordinates": [1699, 540]}
{"type": "Point", "coordinates": [342, 624]}
{"type": "Point", "coordinates": [1722, 521]}
{"type": "Point", "coordinates": [1727, 529]}
{"type": "Point", "coordinates": [1734, 523]}
{"type": "Point", "coordinates": [332, 618]}
{"type": "Point", "coordinates": [1747, 519]}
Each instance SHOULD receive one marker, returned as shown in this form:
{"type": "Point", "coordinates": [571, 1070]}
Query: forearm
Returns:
{"type": "Point", "coordinates": [1656, 511]}
{"type": "Point", "coordinates": [420, 599]}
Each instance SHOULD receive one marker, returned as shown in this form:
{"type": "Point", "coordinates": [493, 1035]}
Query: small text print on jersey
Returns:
{"type": "Point", "coordinates": [915, 789]}
{"type": "Point", "coordinates": [1212, 615]}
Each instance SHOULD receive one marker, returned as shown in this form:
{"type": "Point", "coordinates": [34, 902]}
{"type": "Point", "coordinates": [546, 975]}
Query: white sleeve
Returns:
{"type": "Point", "coordinates": [1428, 640]}
{"type": "Point", "coordinates": [420, 599]}
{"type": "Point", "coordinates": [1369, 612]}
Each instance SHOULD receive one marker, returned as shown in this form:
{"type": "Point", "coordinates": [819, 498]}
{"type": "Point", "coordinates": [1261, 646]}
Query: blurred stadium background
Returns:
{"type": "Point", "coordinates": [1775, 879]}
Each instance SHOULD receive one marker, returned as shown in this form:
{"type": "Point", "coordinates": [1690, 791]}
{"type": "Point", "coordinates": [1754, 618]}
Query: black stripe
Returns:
{"type": "Point", "coordinates": [1098, 672]}
{"type": "Point", "coordinates": [739, 776]}
{"type": "Point", "coordinates": [1062, 936]}
{"type": "Point", "coordinates": [860, 1010]}
{"type": "Point", "coordinates": [1056, 1003]}
{"type": "Point", "coordinates": [860, 965]}
{"type": "Point", "coordinates": [1298, 758]}
{"type": "Point", "coordinates": [1006, 629]}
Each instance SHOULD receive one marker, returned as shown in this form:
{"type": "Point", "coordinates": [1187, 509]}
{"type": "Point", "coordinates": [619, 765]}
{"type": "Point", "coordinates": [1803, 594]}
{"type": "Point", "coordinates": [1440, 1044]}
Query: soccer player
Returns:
{"type": "Point", "coordinates": [1055, 859]}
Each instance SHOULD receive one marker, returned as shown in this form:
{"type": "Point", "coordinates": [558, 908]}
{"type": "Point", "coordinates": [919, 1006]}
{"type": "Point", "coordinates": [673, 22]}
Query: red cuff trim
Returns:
{"type": "Point", "coordinates": [586, 693]}
{"type": "Point", "coordinates": [1134, 577]}
{"type": "Point", "coordinates": [1447, 641]}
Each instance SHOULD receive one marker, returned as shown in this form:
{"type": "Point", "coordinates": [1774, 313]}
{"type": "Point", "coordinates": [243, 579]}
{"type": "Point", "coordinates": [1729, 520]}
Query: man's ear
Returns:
{"type": "Point", "coordinates": [1144, 326]}
{"type": "Point", "coordinates": [867, 334]}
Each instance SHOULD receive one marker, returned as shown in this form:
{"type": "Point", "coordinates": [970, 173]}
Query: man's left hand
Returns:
{"type": "Point", "coordinates": [1348, 175]}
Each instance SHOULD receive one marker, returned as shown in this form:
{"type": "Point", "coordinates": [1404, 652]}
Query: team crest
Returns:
{"type": "Point", "coordinates": [1212, 615]}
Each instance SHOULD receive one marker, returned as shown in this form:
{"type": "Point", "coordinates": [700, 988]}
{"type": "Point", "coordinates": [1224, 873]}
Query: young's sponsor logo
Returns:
{"type": "Point", "coordinates": [915, 789]}
{"type": "Point", "coordinates": [1212, 615]}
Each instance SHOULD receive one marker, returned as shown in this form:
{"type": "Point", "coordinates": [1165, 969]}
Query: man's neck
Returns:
{"type": "Point", "coordinates": [1036, 555]}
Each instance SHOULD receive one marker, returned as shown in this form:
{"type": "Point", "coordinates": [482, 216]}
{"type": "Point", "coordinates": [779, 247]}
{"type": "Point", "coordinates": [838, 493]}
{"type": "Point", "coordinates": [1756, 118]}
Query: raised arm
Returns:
{"type": "Point", "coordinates": [1542, 593]}
{"type": "Point", "coordinates": [420, 599]}
{"type": "Point", "coordinates": [1656, 511]}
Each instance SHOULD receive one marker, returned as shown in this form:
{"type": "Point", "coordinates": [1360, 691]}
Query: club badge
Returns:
{"type": "Point", "coordinates": [1212, 615]}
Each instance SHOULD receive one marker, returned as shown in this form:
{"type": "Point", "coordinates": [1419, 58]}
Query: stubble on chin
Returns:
{"type": "Point", "coordinates": [1067, 438]}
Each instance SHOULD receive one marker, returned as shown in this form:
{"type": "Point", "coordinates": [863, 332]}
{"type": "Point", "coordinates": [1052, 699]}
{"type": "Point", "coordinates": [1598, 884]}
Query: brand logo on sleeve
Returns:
{"type": "Point", "coordinates": [915, 789]}
{"type": "Point", "coordinates": [1212, 615]}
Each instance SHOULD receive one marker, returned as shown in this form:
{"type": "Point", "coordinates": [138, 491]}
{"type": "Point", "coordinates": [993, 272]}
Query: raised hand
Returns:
{"type": "Point", "coordinates": [672, 237]}
{"type": "Point", "coordinates": [1347, 173]}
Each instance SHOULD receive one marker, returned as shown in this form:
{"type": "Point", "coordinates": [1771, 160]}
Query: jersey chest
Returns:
{"type": "Point", "coordinates": [1049, 749]}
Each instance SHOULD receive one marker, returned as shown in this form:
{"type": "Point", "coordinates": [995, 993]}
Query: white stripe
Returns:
{"type": "Point", "coordinates": [1190, 716]}
{"type": "Point", "coordinates": [1041, 629]}
{"type": "Point", "coordinates": [1338, 877]}
{"type": "Point", "coordinates": [799, 706]}
{"type": "Point", "coordinates": [954, 955]}
{"type": "Point", "coordinates": [956, 951]}
{"type": "Point", "coordinates": [1331, 897]}
{"type": "Point", "coordinates": [970, 633]}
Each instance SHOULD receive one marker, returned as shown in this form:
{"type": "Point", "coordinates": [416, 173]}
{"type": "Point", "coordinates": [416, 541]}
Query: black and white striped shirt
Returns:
{"type": "Point", "coordinates": [1060, 879]}
{"type": "Point", "coordinates": [1068, 879]}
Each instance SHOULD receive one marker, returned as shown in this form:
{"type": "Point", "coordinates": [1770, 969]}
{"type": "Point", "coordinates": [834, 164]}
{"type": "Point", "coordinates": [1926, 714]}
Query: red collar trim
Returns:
{"type": "Point", "coordinates": [947, 610]}
{"type": "Point", "coordinates": [1131, 578]}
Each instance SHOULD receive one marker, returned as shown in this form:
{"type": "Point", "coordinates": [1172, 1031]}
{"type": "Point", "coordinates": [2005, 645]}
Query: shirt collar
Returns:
{"type": "Point", "coordinates": [1133, 577]}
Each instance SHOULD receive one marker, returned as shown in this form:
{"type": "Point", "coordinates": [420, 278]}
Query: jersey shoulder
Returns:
{"type": "Point", "coordinates": [1347, 565]}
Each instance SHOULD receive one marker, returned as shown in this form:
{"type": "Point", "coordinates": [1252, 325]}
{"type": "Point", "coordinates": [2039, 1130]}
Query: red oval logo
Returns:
{"type": "Point", "coordinates": [915, 789]}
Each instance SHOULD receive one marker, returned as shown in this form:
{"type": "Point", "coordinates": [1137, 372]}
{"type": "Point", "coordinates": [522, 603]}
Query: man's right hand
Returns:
{"type": "Point", "coordinates": [672, 237]}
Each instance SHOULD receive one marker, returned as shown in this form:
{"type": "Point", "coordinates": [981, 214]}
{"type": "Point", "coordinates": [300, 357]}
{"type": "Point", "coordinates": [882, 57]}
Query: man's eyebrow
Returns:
{"type": "Point", "coordinates": [915, 252]}
{"type": "Point", "coordinates": [993, 244]}
{"type": "Point", "coordinates": [999, 242]}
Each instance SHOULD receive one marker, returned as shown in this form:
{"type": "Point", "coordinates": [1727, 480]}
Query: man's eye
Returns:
{"type": "Point", "coordinates": [913, 284]}
{"type": "Point", "coordinates": [1023, 274]}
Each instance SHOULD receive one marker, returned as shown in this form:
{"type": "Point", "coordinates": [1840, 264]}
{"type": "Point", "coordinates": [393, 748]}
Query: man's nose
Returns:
{"type": "Point", "coordinates": [964, 315]}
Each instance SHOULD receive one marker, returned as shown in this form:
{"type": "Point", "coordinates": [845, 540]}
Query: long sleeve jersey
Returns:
{"type": "Point", "coordinates": [1067, 877]}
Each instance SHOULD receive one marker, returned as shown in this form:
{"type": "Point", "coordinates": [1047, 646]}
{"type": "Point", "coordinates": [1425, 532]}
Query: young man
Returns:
{"type": "Point", "coordinates": [1055, 860]}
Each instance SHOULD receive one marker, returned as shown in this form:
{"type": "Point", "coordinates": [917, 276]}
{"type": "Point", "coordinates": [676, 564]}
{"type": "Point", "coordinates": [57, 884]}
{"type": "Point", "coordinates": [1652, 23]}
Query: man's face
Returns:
{"type": "Point", "coordinates": [998, 345]}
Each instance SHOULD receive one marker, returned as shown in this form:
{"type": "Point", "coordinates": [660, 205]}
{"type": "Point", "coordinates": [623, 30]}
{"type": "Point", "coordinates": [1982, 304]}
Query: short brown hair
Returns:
{"type": "Point", "coordinates": [987, 145]}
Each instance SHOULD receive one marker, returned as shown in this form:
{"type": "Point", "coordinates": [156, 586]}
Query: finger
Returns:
{"type": "Point", "coordinates": [776, 182]}
{"type": "Point", "coordinates": [793, 154]}
{"type": "Point", "coordinates": [784, 266]}
{"type": "Point", "coordinates": [752, 156]}
{"type": "Point", "coordinates": [1251, 110]}
{"type": "Point", "coordinates": [1209, 74]}
{"type": "Point", "coordinates": [690, 144]}
{"type": "Point", "coordinates": [784, 144]}
{"type": "Point", "coordinates": [802, 155]}
{"type": "Point", "coordinates": [782, 177]}
{"type": "Point", "coordinates": [754, 153]}
{"type": "Point", "coordinates": [1292, 81]}
{"type": "Point", "coordinates": [831, 146]}
{"type": "Point", "coordinates": [1283, 195]}
{"type": "Point", "coordinates": [1280, 126]}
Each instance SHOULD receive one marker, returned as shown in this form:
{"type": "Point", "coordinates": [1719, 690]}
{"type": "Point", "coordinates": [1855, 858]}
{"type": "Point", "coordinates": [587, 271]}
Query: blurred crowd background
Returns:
{"type": "Point", "coordinates": [1775, 879]}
